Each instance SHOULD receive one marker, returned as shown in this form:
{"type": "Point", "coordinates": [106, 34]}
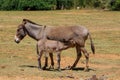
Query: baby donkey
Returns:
{"type": "Point", "coordinates": [48, 47]}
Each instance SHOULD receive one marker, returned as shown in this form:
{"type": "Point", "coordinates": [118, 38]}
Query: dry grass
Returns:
{"type": "Point", "coordinates": [19, 62]}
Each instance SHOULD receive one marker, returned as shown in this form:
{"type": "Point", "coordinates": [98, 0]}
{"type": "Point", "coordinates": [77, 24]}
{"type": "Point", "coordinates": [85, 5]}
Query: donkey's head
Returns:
{"type": "Point", "coordinates": [20, 33]}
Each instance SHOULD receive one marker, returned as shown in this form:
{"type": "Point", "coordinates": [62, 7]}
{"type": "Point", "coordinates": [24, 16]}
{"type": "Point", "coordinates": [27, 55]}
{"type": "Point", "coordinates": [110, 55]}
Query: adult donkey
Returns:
{"type": "Point", "coordinates": [77, 34]}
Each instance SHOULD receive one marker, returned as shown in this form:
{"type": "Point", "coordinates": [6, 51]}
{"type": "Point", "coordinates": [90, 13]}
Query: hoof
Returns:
{"type": "Point", "coordinates": [51, 67]}
{"type": "Point", "coordinates": [44, 68]}
{"type": "Point", "coordinates": [69, 68]}
{"type": "Point", "coordinates": [59, 69]}
{"type": "Point", "coordinates": [86, 70]}
{"type": "Point", "coordinates": [40, 69]}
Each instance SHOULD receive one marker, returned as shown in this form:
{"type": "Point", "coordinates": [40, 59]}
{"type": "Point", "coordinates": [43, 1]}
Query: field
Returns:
{"type": "Point", "coordinates": [19, 61]}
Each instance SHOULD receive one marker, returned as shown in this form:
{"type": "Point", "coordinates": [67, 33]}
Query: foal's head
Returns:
{"type": "Point", "coordinates": [20, 33]}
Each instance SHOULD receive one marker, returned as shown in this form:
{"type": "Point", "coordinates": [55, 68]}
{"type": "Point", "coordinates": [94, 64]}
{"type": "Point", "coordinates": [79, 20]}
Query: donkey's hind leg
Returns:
{"type": "Point", "coordinates": [87, 58]}
{"type": "Point", "coordinates": [78, 50]}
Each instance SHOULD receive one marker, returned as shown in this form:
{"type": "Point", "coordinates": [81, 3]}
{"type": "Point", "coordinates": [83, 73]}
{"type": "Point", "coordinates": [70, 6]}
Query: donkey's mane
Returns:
{"type": "Point", "coordinates": [31, 22]}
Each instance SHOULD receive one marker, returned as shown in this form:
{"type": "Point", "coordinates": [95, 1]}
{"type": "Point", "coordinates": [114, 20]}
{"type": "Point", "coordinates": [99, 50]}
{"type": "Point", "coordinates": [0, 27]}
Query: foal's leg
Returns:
{"type": "Point", "coordinates": [39, 60]}
{"type": "Point", "coordinates": [52, 61]}
{"type": "Point", "coordinates": [87, 58]}
{"type": "Point", "coordinates": [78, 50]}
{"type": "Point", "coordinates": [39, 53]}
{"type": "Point", "coordinates": [58, 60]}
{"type": "Point", "coordinates": [46, 62]}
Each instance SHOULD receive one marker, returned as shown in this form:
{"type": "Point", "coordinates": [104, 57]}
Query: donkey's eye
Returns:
{"type": "Point", "coordinates": [18, 30]}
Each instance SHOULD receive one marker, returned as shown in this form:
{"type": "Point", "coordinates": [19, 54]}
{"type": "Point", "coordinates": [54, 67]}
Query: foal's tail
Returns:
{"type": "Point", "coordinates": [92, 44]}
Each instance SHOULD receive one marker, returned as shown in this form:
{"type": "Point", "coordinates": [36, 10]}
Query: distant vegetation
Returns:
{"type": "Point", "coordinates": [58, 4]}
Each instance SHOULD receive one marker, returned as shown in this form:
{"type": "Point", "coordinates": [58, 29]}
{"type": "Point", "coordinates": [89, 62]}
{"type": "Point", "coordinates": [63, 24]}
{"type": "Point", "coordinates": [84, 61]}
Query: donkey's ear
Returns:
{"type": "Point", "coordinates": [24, 21]}
{"type": "Point", "coordinates": [45, 26]}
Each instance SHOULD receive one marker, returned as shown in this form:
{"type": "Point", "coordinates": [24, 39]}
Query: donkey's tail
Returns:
{"type": "Point", "coordinates": [92, 44]}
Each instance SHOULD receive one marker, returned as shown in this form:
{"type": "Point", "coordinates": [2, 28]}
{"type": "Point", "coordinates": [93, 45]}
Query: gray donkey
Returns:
{"type": "Point", "coordinates": [77, 34]}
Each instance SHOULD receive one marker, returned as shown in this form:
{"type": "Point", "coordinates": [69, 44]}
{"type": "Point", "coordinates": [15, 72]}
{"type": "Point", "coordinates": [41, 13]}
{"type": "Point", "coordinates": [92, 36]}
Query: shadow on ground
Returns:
{"type": "Point", "coordinates": [48, 69]}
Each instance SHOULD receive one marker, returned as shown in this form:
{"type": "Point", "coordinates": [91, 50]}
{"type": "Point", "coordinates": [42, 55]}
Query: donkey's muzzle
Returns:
{"type": "Point", "coordinates": [17, 40]}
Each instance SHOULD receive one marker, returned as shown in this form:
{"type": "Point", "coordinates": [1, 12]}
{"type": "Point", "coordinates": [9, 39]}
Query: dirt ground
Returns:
{"type": "Point", "coordinates": [95, 67]}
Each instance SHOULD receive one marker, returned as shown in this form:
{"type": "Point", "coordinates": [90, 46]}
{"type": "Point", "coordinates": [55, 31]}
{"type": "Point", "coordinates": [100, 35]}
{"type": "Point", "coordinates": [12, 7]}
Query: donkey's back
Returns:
{"type": "Point", "coordinates": [66, 33]}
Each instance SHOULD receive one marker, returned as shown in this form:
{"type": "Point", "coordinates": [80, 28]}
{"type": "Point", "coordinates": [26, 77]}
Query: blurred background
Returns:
{"type": "Point", "coordinates": [58, 4]}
